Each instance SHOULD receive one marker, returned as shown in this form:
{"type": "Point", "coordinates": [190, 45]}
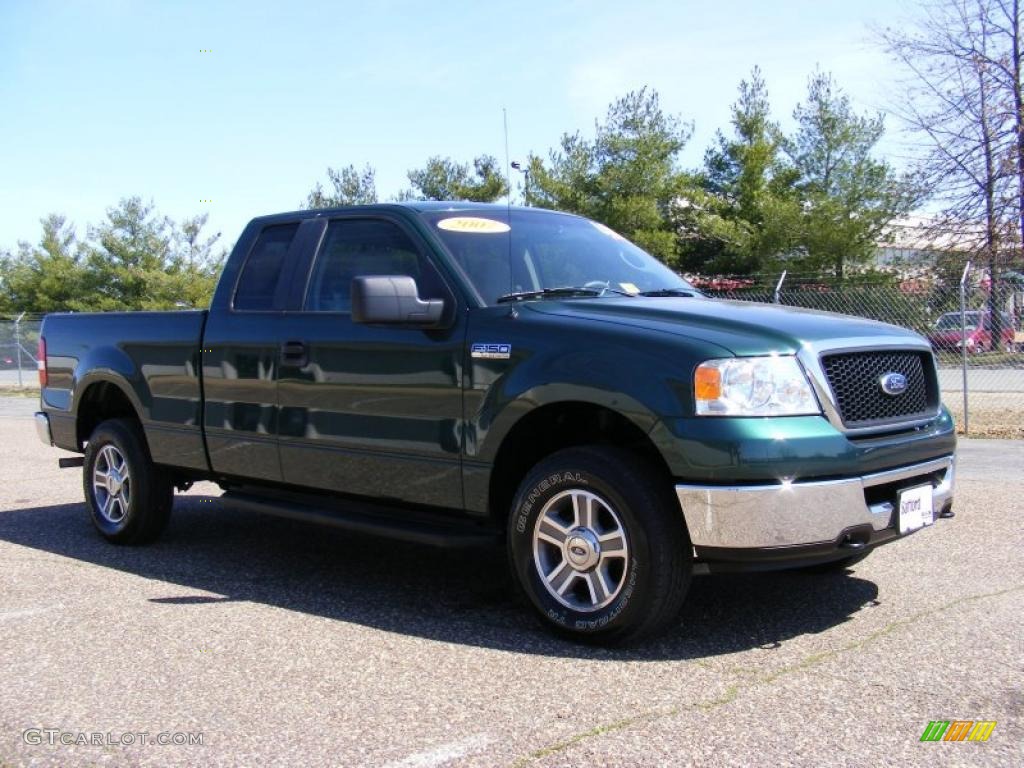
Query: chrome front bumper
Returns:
{"type": "Point", "coordinates": [43, 428]}
{"type": "Point", "coordinates": [803, 513]}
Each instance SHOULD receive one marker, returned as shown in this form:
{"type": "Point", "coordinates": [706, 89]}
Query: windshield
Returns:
{"type": "Point", "coordinates": [951, 321]}
{"type": "Point", "coordinates": [519, 251]}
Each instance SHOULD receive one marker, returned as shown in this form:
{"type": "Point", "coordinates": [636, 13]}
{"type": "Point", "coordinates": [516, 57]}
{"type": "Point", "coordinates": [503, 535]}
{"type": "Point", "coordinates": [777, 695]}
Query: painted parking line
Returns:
{"type": "Point", "coordinates": [23, 612]}
{"type": "Point", "coordinates": [445, 753]}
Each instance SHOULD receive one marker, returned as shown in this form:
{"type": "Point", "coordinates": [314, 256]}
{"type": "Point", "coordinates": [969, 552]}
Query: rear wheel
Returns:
{"type": "Point", "coordinates": [129, 497]}
{"type": "Point", "coordinates": [598, 546]}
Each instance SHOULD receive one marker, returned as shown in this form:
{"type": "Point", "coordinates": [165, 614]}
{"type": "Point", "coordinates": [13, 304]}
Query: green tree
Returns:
{"type": "Point", "coordinates": [194, 248]}
{"type": "Point", "coordinates": [627, 176]}
{"type": "Point", "coordinates": [139, 259]}
{"type": "Point", "coordinates": [127, 259]}
{"type": "Point", "coordinates": [196, 261]}
{"type": "Point", "coordinates": [349, 186]}
{"type": "Point", "coordinates": [48, 277]}
{"type": "Point", "coordinates": [135, 259]}
{"type": "Point", "coordinates": [848, 197]}
{"type": "Point", "coordinates": [444, 179]}
{"type": "Point", "coordinates": [741, 210]}
{"type": "Point", "coordinates": [6, 267]}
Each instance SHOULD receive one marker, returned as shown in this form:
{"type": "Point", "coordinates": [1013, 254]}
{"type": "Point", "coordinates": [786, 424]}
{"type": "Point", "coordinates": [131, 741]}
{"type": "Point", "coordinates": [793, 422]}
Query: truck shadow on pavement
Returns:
{"type": "Point", "coordinates": [454, 597]}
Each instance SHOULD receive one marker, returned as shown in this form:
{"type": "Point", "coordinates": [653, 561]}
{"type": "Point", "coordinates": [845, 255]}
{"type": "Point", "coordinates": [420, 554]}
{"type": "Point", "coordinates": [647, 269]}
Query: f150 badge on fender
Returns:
{"type": "Point", "coordinates": [491, 351]}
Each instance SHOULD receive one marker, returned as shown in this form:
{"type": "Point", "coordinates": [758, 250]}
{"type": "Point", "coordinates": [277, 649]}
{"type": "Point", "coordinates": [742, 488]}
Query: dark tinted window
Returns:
{"type": "Point", "coordinates": [358, 247]}
{"type": "Point", "coordinates": [263, 268]}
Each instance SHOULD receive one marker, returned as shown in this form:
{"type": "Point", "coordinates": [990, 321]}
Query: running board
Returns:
{"type": "Point", "coordinates": [369, 520]}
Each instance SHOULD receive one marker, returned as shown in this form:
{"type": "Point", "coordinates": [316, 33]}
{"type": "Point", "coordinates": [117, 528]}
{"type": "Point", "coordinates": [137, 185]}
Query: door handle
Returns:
{"type": "Point", "coordinates": [293, 354]}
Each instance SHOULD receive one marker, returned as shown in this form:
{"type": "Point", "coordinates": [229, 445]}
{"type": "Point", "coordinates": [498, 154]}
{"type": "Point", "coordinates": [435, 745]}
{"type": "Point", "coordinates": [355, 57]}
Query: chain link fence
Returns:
{"type": "Point", "coordinates": [972, 322]}
{"type": "Point", "coordinates": [19, 342]}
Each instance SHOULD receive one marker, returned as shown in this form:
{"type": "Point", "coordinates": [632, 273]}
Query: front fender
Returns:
{"type": "Point", "coordinates": [640, 374]}
{"type": "Point", "coordinates": [496, 419]}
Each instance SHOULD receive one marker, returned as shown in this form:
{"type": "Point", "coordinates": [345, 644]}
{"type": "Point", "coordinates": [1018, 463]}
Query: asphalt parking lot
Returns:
{"type": "Point", "coordinates": [280, 643]}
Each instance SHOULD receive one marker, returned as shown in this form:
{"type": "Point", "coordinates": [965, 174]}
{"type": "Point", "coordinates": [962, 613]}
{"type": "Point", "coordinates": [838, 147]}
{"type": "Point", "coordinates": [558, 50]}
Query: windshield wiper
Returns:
{"type": "Point", "coordinates": [668, 292]}
{"type": "Point", "coordinates": [567, 291]}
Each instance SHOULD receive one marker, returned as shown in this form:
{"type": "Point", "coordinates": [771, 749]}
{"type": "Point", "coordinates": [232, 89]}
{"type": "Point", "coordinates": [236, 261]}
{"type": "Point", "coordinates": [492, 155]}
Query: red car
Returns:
{"type": "Point", "coordinates": [977, 335]}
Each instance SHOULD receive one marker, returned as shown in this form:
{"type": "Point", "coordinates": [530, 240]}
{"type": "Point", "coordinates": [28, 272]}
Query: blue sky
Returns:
{"type": "Point", "coordinates": [112, 98]}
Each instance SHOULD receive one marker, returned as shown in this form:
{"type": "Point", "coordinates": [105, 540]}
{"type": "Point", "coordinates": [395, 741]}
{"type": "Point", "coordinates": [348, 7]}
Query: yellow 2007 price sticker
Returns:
{"type": "Point", "coordinates": [473, 224]}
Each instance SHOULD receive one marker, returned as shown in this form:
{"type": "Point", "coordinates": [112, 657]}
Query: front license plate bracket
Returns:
{"type": "Point", "coordinates": [914, 506]}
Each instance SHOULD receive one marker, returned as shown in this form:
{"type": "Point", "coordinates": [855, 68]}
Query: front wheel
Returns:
{"type": "Point", "coordinates": [129, 497]}
{"type": "Point", "coordinates": [599, 547]}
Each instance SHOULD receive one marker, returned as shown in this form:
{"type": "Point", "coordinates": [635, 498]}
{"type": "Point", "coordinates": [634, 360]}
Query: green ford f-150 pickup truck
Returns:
{"type": "Point", "coordinates": [455, 373]}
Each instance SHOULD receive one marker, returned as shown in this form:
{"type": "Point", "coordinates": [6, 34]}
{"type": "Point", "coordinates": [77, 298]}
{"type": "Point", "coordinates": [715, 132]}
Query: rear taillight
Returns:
{"type": "Point", "coordinates": [41, 363]}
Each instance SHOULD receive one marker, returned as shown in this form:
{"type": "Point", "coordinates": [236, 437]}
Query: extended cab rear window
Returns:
{"type": "Point", "coordinates": [262, 269]}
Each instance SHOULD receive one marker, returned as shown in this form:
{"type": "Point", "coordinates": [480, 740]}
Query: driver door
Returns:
{"type": "Point", "coordinates": [372, 410]}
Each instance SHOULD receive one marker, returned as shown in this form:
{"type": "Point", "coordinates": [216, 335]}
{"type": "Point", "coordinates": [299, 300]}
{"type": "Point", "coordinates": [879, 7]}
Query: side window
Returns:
{"type": "Point", "coordinates": [262, 269]}
{"type": "Point", "coordinates": [356, 247]}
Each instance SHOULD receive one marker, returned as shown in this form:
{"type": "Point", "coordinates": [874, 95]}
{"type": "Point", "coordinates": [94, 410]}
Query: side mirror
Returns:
{"type": "Point", "coordinates": [393, 300]}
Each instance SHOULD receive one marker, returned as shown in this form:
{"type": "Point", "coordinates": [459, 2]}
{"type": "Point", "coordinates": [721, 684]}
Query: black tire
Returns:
{"type": "Point", "coordinates": [651, 573]}
{"type": "Point", "coordinates": [837, 566]}
{"type": "Point", "coordinates": [139, 510]}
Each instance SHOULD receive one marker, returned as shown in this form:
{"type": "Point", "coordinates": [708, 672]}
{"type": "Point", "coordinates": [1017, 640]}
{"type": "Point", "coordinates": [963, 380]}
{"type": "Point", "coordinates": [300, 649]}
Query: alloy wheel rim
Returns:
{"type": "Point", "coordinates": [111, 484]}
{"type": "Point", "coordinates": [580, 550]}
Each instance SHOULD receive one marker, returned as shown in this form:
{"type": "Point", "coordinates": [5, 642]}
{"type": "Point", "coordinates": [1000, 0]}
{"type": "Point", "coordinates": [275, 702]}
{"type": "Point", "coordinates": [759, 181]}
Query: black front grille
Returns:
{"type": "Point", "coordinates": [855, 378]}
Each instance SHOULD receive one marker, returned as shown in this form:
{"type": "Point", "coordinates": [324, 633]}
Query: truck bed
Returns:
{"type": "Point", "coordinates": [156, 353]}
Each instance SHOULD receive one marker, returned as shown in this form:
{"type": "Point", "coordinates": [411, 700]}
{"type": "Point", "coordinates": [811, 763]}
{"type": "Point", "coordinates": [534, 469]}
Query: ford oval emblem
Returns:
{"type": "Point", "coordinates": [893, 383]}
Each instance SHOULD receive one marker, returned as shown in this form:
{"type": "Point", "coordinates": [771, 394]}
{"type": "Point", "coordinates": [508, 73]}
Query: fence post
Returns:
{"type": "Point", "coordinates": [778, 286]}
{"type": "Point", "coordinates": [17, 343]}
{"type": "Point", "coordinates": [963, 336]}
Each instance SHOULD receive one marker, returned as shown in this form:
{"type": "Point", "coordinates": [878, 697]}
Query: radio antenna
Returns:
{"type": "Point", "coordinates": [508, 162]}
{"type": "Point", "coordinates": [508, 182]}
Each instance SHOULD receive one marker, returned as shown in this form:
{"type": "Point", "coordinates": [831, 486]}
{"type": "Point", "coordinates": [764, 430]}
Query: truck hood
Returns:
{"type": "Point", "coordinates": [742, 327]}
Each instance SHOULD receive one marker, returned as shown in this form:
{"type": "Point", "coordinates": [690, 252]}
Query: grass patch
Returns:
{"type": "Point", "coordinates": [9, 391]}
{"type": "Point", "coordinates": [993, 414]}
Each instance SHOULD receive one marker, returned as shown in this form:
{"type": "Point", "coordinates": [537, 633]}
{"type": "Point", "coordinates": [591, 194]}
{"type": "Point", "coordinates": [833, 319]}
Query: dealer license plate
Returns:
{"type": "Point", "coordinates": [916, 508]}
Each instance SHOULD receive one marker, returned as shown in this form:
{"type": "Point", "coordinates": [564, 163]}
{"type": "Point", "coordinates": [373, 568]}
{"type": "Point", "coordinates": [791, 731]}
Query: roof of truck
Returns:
{"type": "Point", "coordinates": [420, 206]}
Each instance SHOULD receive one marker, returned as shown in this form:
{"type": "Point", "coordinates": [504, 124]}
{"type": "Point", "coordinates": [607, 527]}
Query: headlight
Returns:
{"type": "Point", "coordinates": [753, 386]}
